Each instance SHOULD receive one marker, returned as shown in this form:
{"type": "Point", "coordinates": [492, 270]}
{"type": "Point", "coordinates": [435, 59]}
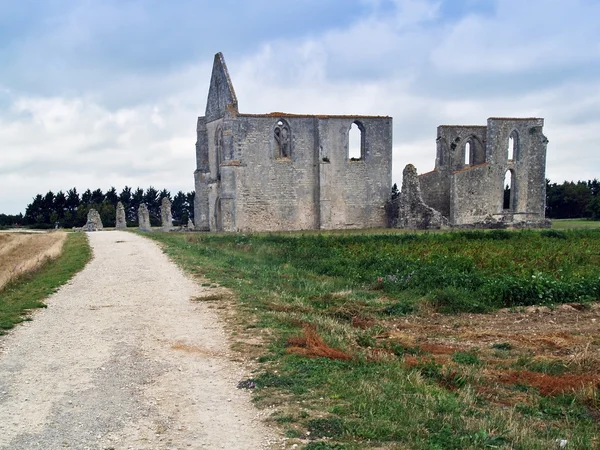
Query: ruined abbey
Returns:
{"type": "Point", "coordinates": [279, 171]}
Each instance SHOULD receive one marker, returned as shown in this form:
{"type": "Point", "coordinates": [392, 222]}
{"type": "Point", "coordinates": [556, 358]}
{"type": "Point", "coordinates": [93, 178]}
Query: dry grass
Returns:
{"type": "Point", "coordinates": [21, 253]}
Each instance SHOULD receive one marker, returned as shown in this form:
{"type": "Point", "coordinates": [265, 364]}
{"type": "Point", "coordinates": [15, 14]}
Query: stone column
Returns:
{"type": "Point", "coordinates": [144, 218]}
{"type": "Point", "coordinates": [94, 222]}
{"type": "Point", "coordinates": [120, 223]}
{"type": "Point", "coordinates": [165, 214]}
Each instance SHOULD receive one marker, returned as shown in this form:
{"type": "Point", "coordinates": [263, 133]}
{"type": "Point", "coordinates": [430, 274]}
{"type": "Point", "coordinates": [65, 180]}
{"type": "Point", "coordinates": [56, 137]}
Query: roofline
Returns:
{"type": "Point", "coordinates": [310, 116]}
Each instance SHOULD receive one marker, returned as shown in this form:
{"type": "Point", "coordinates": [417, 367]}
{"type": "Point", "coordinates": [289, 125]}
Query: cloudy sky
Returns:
{"type": "Point", "coordinates": [100, 93]}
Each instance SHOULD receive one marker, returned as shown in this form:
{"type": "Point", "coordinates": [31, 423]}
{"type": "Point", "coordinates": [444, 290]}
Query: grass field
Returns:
{"type": "Point", "coordinates": [424, 341]}
{"type": "Point", "coordinates": [35, 265]}
{"type": "Point", "coordinates": [566, 224]}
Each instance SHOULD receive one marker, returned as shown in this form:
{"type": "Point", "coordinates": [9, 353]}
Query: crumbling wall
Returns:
{"type": "Point", "coordinates": [467, 184]}
{"type": "Point", "coordinates": [435, 190]}
{"type": "Point", "coordinates": [412, 211]}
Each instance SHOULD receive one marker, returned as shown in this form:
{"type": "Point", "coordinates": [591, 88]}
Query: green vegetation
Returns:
{"type": "Point", "coordinates": [70, 209]}
{"type": "Point", "coordinates": [28, 291]}
{"type": "Point", "coordinates": [573, 224]}
{"type": "Point", "coordinates": [333, 303]}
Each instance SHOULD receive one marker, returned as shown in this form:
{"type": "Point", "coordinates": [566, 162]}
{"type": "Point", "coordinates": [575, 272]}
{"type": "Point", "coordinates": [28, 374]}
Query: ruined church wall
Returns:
{"type": "Point", "coordinates": [201, 176]}
{"type": "Point", "coordinates": [528, 164]}
{"type": "Point", "coordinates": [353, 193]}
{"type": "Point", "coordinates": [452, 145]}
{"type": "Point", "coordinates": [435, 190]}
{"type": "Point", "coordinates": [475, 194]}
{"type": "Point", "coordinates": [273, 193]}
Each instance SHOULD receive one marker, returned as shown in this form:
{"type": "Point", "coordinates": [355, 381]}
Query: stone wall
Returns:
{"type": "Point", "coordinates": [279, 171]}
{"type": "Point", "coordinates": [467, 184]}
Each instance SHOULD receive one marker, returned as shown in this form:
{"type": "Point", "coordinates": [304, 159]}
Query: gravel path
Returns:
{"type": "Point", "coordinates": [122, 359]}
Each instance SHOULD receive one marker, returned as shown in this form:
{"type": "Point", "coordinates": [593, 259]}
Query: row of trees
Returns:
{"type": "Point", "coordinates": [70, 209]}
{"type": "Point", "coordinates": [563, 201]}
{"type": "Point", "coordinates": [571, 200]}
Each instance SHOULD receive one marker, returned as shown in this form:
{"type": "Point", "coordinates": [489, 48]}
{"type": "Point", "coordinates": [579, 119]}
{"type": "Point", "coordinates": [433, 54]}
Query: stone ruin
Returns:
{"type": "Point", "coordinates": [280, 171]}
{"type": "Point", "coordinates": [94, 222]}
{"type": "Point", "coordinates": [144, 218]}
{"type": "Point", "coordinates": [412, 212]}
{"type": "Point", "coordinates": [165, 215]}
{"type": "Point", "coordinates": [121, 222]}
{"type": "Point", "coordinates": [491, 176]}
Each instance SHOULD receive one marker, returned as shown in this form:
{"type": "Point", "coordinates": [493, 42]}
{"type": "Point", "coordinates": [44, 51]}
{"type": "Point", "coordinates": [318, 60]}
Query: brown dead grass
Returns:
{"type": "Point", "coordinates": [548, 384]}
{"type": "Point", "coordinates": [506, 342]}
{"type": "Point", "coordinates": [21, 253]}
{"type": "Point", "coordinates": [312, 345]}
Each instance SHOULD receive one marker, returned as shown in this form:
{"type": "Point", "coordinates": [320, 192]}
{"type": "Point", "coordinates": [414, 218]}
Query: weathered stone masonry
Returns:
{"type": "Point", "coordinates": [282, 171]}
{"type": "Point", "coordinates": [467, 184]}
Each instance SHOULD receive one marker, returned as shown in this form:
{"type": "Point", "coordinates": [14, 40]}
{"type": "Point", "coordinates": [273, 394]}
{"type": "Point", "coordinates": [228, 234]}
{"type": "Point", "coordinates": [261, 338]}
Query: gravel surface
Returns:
{"type": "Point", "coordinates": [122, 359]}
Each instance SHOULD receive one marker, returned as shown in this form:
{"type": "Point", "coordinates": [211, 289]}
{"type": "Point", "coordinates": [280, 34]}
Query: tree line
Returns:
{"type": "Point", "coordinates": [569, 200]}
{"type": "Point", "coordinates": [573, 200]}
{"type": "Point", "coordinates": [70, 209]}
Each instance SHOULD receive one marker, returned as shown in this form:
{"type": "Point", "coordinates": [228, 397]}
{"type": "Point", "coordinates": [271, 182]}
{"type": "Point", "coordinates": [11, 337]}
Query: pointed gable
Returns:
{"type": "Point", "coordinates": [221, 96]}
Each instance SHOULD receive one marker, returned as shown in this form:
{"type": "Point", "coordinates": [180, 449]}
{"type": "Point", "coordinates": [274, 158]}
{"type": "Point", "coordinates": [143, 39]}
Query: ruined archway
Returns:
{"type": "Point", "coordinates": [508, 200]}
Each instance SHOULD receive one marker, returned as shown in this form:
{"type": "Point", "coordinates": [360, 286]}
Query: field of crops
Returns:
{"type": "Point", "coordinates": [25, 252]}
{"type": "Point", "coordinates": [481, 339]}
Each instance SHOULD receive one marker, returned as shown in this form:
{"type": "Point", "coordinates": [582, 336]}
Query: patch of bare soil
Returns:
{"type": "Point", "coordinates": [553, 351]}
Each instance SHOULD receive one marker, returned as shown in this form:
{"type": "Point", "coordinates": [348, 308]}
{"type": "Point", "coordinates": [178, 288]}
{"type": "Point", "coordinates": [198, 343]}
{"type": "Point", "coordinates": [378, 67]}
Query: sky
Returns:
{"type": "Point", "coordinates": [101, 93]}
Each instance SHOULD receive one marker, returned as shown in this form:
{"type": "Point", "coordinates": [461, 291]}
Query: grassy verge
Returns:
{"type": "Point", "coordinates": [342, 368]}
{"type": "Point", "coordinates": [29, 290]}
{"type": "Point", "coordinates": [569, 224]}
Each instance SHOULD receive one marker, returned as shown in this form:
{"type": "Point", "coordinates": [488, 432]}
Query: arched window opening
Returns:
{"type": "Point", "coordinates": [219, 149]}
{"type": "Point", "coordinates": [468, 154]}
{"type": "Point", "coordinates": [356, 142]}
{"type": "Point", "coordinates": [513, 143]}
{"type": "Point", "coordinates": [509, 191]}
{"type": "Point", "coordinates": [283, 140]}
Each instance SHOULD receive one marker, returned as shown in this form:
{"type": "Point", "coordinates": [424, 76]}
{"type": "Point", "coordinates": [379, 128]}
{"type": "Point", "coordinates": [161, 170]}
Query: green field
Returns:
{"type": "Point", "coordinates": [567, 224]}
{"type": "Point", "coordinates": [373, 341]}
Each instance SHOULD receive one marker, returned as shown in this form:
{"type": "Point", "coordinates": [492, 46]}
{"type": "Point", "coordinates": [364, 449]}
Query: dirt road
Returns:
{"type": "Point", "coordinates": [122, 359]}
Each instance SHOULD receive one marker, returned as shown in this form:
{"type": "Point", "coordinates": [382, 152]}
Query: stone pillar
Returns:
{"type": "Point", "coordinates": [120, 223]}
{"type": "Point", "coordinates": [165, 214]}
{"type": "Point", "coordinates": [144, 218]}
{"type": "Point", "coordinates": [412, 210]}
{"type": "Point", "coordinates": [94, 222]}
{"type": "Point", "coordinates": [190, 224]}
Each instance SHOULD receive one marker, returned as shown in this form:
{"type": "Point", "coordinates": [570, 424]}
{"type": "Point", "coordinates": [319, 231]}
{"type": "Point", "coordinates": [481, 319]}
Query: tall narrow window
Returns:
{"type": "Point", "coordinates": [509, 191]}
{"type": "Point", "coordinates": [219, 149]}
{"type": "Point", "coordinates": [468, 154]}
{"type": "Point", "coordinates": [356, 142]}
{"type": "Point", "coordinates": [513, 146]}
{"type": "Point", "coordinates": [283, 140]}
